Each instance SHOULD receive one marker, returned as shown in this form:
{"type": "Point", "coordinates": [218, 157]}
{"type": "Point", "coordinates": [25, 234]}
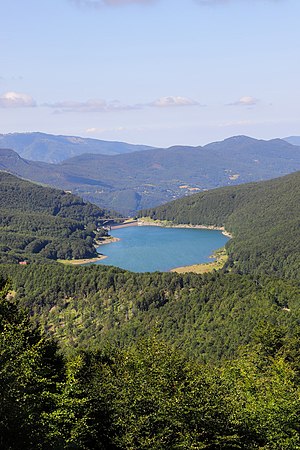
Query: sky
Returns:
{"type": "Point", "coordinates": [155, 72]}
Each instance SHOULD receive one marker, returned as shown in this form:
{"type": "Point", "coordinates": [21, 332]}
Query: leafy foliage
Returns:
{"type": "Point", "coordinates": [148, 396]}
{"type": "Point", "coordinates": [209, 316]}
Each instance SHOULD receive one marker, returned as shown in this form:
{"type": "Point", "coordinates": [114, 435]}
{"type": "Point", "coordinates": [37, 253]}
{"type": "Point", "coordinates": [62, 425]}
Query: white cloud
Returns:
{"type": "Point", "coordinates": [89, 106]}
{"type": "Point", "coordinates": [91, 130]}
{"type": "Point", "coordinates": [172, 101]}
{"type": "Point", "coordinates": [94, 105]}
{"type": "Point", "coordinates": [247, 100]}
{"type": "Point", "coordinates": [16, 100]}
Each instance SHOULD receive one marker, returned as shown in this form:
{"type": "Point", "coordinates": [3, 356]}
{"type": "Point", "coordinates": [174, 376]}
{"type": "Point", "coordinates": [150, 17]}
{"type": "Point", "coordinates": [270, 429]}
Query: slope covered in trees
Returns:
{"type": "Point", "coordinates": [264, 219]}
{"type": "Point", "coordinates": [147, 396]}
{"type": "Point", "coordinates": [210, 315]}
{"type": "Point", "coordinates": [39, 222]}
{"type": "Point", "coordinates": [161, 360]}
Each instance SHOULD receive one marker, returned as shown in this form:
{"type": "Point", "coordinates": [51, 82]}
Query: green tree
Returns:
{"type": "Point", "coordinates": [157, 400]}
{"type": "Point", "coordinates": [29, 371]}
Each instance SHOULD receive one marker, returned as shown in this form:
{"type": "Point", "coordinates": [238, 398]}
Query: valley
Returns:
{"type": "Point", "coordinates": [143, 179]}
{"type": "Point", "coordinates": [150, 225]}
{"type": "Point", "coordinates": [112, 348]}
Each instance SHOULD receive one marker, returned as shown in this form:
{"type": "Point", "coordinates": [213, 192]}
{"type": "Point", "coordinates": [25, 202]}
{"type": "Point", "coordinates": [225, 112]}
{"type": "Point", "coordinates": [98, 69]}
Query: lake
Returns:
{"type": "Point", "coordinates": [151, 248]}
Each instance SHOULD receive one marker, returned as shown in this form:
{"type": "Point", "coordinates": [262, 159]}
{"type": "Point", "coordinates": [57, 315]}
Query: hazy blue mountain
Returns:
{"type": "Point", "coordinates": [294, 140]}
{"type": "Point", "coordinates": [12, 162]}
{"type": "Point", "coordinates": [133, 181]}
{"type": "Point", "coordinates": [54, 149]}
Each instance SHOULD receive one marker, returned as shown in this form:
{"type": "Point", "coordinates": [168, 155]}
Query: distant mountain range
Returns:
{"type": "Point", "coordinates": [54, 149]}
{"type": "Point", "coordinates": [142, 179]}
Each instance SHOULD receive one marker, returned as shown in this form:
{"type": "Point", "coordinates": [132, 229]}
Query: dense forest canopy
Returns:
{"type": "Point", "coordinates": [38, 222]}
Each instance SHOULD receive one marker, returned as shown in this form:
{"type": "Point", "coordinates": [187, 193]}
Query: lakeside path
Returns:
{"type": "Point", "coordinates": [107, 240]}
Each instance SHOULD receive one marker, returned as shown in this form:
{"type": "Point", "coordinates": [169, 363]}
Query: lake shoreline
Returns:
{"type": "Point", "coordinates": [76, 262]}
{"type": "Point", "coordinates": [218, 262]}
{"type": "Point", "coordinates": [220, 257]}
{"type": "Point", "coordinates": [166, 224]}
{"type": "Point", "coordinates": [79, 262]}
{"type": "Point", "coordinates": [132, 223]}
{"type": "Point", "coordinates": [106, 240]}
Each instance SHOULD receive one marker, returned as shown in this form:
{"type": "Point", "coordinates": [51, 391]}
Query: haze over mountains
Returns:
{"type": "Point", "coordinates": [54, 149]}
{"type": "Point", "coordinates": [294, 140]}
{"type": "Point", "coordinates": [142, 179]}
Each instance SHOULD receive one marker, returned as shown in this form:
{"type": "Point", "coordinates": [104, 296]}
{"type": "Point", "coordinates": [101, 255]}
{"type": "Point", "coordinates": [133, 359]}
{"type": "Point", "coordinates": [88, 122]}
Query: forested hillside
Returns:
{"type": "Point", "coordinates": [147, 396]}
{"type": "Point", "coordinates": [160, 360]}
{"type": "Point", "coordinates": [208, 312]}
{"type": "Point", "coordinates": [263, 217]}
{"type": "Point", "coordinates": [209, 316]}
{"type": "Point", "coordinates": [38, 222]}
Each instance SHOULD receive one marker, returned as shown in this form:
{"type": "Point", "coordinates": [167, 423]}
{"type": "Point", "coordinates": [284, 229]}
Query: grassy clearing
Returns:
{"type": "Point", "coordinates": [220, 259]}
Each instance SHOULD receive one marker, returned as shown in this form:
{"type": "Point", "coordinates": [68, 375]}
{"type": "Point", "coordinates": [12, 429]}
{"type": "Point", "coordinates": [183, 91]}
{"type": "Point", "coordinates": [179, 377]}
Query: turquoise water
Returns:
{"type": "Point", "coordinates": [150, 249]}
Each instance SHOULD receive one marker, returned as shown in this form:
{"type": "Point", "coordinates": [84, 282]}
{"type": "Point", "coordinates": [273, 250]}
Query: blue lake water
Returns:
{"type": "Point", "coordinates": [150, 249]}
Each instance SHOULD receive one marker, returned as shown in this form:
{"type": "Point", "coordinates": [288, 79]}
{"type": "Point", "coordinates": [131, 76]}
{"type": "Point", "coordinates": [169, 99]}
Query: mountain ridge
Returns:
{"type": "Point", "coordinates": [144, 179]}
{"type": "Point", "coordinates": [37, 146]}
{"type": "Point", "coordinates": [294, 140]}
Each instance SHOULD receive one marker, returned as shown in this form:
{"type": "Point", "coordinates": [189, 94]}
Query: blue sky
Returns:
{"type": "Point", "coordinates": [156, 72]}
